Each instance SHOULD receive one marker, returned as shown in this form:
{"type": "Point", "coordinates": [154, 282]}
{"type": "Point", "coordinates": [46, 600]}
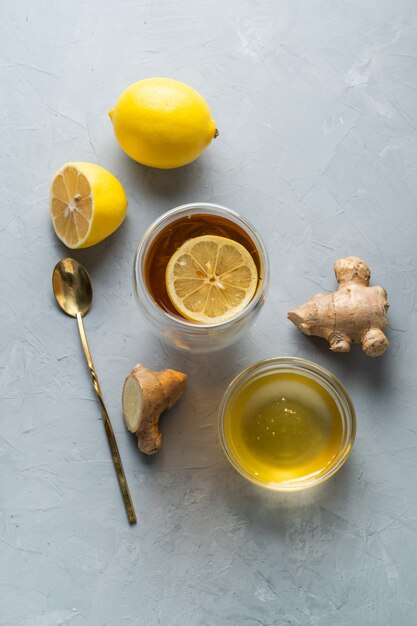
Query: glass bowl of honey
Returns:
{"type": "Point", "coordinates": [158, 246]}
{"type": "Point", "coordinates": [286, 424]}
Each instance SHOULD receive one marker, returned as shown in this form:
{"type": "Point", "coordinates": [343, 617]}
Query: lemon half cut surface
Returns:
{"type": "Point", "coordinates": [211, 279]}
{"type": "Point", "coordinates": [87, 204]}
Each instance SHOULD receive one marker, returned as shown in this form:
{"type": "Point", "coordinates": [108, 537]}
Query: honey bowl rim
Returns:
{"type": "Point", "coordinates": [344, 403]}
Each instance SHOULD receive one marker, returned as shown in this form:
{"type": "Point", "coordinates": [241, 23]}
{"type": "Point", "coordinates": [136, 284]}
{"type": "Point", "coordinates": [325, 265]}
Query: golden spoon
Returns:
{"type": "Point", "coordinates": [73, 291]}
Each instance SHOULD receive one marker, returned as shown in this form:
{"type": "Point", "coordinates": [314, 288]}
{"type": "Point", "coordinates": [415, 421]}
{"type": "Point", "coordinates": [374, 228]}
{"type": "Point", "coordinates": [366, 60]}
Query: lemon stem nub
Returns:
{"type": "Point", "coordinates": [216, 133]}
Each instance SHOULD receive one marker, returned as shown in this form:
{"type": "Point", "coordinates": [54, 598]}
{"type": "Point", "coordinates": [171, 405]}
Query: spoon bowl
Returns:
{"type": "Point", "coordinates": [72, 287]}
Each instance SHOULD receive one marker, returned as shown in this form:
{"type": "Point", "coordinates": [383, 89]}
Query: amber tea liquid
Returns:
{"type": "Point", "coordinates": [173, 236]}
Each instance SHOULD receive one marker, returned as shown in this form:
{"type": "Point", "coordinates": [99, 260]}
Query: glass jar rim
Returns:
{"type": "Point", "coordinates": [348, 413]}
{"type": "Point", "coordinates": [142, 292]}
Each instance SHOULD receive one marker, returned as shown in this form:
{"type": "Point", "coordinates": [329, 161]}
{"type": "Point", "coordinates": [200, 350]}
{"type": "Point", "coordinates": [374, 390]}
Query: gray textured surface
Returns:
{"type": "Point", "coordinates": [316, 105]}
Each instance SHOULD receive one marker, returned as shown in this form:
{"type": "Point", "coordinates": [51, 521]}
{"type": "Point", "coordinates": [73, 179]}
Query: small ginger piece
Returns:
{"type": "Point", "coordinates": [147, 394]}
{"type": "Point", "coordinates": [355, 313]}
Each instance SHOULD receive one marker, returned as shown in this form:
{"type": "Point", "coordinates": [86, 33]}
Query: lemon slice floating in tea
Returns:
{"type": "Point", "coordinates": [211, 279]}
{"type": "Point", "coordinates": [87, 204]}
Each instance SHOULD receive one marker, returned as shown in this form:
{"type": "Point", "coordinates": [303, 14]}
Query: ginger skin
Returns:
{"type": "Point", "coordinates": [147, 394]}
{"type": "Point", "coordinates": [355, 313]}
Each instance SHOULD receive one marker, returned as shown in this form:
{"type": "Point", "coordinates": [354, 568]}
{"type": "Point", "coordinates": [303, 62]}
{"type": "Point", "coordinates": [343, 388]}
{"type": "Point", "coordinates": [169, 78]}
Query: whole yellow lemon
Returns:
{"type": "Point", "coordinates": [162, 123]}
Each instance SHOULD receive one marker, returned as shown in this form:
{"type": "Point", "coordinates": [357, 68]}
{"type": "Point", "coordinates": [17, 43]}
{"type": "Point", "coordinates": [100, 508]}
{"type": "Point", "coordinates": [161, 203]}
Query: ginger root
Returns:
{"type": "Point", "coordinates": [146, 394]}
{"type": "Point", "coordinates": [355, 313]}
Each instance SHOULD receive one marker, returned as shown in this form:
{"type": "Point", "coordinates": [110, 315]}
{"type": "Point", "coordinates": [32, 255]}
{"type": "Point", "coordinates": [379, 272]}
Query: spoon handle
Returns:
{"type": "Point", "coordinates": [130, 510]}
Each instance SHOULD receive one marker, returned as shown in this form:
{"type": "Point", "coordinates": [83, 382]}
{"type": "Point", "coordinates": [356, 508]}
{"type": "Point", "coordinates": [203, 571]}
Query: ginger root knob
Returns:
{"type": "Point", "coordinates": [147, 394]}
{"type": "Point", "coordinates": [355, 313]}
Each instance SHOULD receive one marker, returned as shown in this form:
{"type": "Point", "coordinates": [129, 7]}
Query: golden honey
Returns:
{"type": "Point", "coordinates": [283, 426]}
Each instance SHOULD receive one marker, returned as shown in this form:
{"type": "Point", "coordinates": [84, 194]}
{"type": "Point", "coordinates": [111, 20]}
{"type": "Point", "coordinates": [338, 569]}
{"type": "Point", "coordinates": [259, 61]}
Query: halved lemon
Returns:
{"type": "Point", "coordinates": [211, 279]}
{"type": "Point", "coordinates": [87, 204]}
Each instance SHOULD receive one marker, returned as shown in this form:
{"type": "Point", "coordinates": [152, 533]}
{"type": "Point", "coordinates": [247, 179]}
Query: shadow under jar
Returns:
{"type": "Point", "coordinates": [160, 242]}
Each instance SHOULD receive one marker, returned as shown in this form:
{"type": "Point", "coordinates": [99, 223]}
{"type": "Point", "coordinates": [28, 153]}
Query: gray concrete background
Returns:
{"type": "Point", "coordinates": [316, 105]}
